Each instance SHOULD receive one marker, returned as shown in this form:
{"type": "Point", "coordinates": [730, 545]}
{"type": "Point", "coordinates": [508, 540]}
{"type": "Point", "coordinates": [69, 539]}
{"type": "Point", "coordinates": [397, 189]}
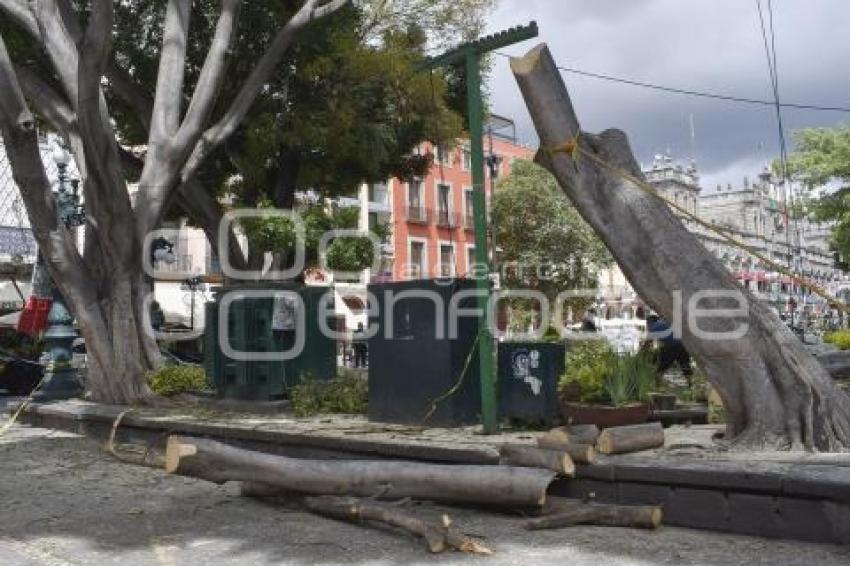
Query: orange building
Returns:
{"type": "Point", "coordinates": [432, 223]}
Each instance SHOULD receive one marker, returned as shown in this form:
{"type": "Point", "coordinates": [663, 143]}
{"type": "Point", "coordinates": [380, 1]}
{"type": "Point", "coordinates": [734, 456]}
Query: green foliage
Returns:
{"type": "Point", "coordinates": [278, 235]}
{"type": "Point", "coordinates": [604, 377]}
{"type": "Point", "coordinates": [632, 379]}
{"type": "Point", "coordinates": [552, 335]}
{"type": "Point", "coordinates": [173, 379]}
{"type": "Point", "coordinates": [838, 338]}
{"type": "Point", "coordinates": [588, 364]}
{"type": "Point", "coordinates": [347, 393]}
{"type": "Point", "coordinates": [537, 227]}
{"type": "Point", "coordinates": [821, 157]}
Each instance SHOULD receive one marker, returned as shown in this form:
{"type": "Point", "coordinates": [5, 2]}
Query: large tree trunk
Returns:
{"type": "Point", "coordinates": [105, 286]}
{"type": "Point", "coordinates": [777, 396]}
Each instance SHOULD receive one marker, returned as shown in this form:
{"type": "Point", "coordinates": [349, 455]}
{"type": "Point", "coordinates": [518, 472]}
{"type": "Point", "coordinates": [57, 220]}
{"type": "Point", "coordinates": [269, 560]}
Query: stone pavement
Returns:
{"type": "Point", "coordinates": [67, 503]}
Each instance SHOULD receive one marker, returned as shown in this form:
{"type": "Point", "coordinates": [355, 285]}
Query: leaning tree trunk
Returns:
{"type": "Point", "coordinates": [777, 396]}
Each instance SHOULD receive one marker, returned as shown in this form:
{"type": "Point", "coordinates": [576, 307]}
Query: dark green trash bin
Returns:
{"type": "Point", "coordinates": [251, 328]}
{"type": "Point", "coordinates": [528, 381]}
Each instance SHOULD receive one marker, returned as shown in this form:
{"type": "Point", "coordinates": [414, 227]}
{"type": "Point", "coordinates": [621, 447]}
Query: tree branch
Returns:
{"type": "Point", "coordinates": [309, 12]}
{"type": "Point", "coordinates": [125, 86]}
{"type": "Point", "coordinates": [212, 74]}
{"type": "Point", "coordinates": [59, 44]}
{"type": "Point", "coordinates": [21, 144]}
{"type": "Point", "coordinates": [20, 11]}
{"type": "Point", "coordinates": [202, 206]}
{"type": "Point", "coordinates": [172, 65]}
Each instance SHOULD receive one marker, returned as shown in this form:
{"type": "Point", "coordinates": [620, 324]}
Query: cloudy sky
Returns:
{"type": "Point", "coordinates": [705, 45]}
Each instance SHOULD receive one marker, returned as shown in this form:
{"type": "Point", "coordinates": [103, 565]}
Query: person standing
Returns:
{"type": "Point", "coordinates": [358, 344]}
{"type": "Point", "coordinates": [671, 350]}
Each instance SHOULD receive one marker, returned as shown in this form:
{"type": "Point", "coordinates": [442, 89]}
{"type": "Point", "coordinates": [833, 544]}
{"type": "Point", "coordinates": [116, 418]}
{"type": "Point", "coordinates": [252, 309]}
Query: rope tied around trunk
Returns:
{"type": "Point", "coordinates": [570, 147]}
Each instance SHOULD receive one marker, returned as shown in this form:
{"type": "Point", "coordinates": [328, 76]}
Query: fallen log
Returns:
{"type": "Point", "coordinates": [576, 434]}
{"type": "Point", "coordinates": [580, 453]}
{"type": "Point", "coordinates": [491, 485]}
{"type": "Point", "coordinates": [556, 460]}
{"type": "Point", "coordinates": [570, 513]}
{"type": "Point", "coordinates": [438, 538]}
{"type": "Point", "coordinates": [621, 439]}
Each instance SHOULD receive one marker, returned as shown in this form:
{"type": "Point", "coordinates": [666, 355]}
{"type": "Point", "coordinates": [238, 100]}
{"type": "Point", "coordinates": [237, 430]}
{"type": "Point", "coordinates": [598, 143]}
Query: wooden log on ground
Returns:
{"type": "Point", "coordinates": [576, 434]}
{"type": "Point", "coordinates": [490, 485]}
{"type": "Point", "coordinates": [622, 439]}
{"type": "Point", "coordinates": [438, 538]}
{"type": "Point", "coordinates": [580, 453]}
{"type": "Point", "coordinates": [519, 455]}
{"type": "Point", "coordinates": [567, 513]}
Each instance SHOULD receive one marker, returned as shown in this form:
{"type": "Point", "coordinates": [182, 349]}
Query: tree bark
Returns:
{"type": "Point", "coordinates": [570, 513]}
{"type": "Point", "coordinates": [556, 460]}
{"type": "Point", "coordinates": [622, 439]}
{"type": "Point", "coordinates": [580, 453]}
{"type": "Point", "coordinates": [105, 286]}
{"type": "Point", "coordinates": [576, 434]}
{"type": "Point", "coordinates": [490, 485]}
{"type": "Point", "coordinates": [776, 394]}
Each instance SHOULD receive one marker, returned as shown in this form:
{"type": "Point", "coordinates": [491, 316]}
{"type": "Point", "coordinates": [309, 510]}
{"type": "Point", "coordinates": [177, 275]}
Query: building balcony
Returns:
{"type": "Point", "coordinates": [469, 222]}
{"type": "Point", "coordinates": [446, 219]}
{"type": "Point", "coordinates": [419, 214]}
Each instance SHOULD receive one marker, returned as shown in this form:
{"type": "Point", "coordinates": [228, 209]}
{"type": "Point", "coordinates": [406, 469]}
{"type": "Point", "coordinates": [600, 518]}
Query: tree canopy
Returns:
{"type": "Point", "coordinates": [822, 159]}
{"type": "Point", "coordinates": [542, 242]}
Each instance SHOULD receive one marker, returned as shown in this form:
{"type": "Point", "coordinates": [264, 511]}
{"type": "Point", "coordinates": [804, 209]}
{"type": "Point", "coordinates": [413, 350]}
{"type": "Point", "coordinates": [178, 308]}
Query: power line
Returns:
{"type": "Point", "coordinates": [702, 94]}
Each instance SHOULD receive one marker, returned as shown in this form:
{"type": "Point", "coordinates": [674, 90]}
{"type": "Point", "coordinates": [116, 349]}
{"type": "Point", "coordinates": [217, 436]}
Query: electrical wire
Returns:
{"type": "Point", "coordinates": [689, 92]}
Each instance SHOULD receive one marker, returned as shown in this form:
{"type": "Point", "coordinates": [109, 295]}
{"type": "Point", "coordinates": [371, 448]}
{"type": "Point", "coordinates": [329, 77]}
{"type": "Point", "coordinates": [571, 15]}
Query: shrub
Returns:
{"type": "Point", "coordinates": [588, 364]}
{"type": "Point", "coordinates": [347, 393]}
{"type": "Point", "coordinates": [181, 378]}
{"type": "Point", "coordinates": [838, 338]}
{"type": "Point", "coordinates": [632, 379]}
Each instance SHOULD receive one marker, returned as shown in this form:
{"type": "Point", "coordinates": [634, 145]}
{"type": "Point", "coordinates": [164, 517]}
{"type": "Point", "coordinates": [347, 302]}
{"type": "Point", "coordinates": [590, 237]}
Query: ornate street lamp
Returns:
{"type": "Point", "coordinates": [61, 380]}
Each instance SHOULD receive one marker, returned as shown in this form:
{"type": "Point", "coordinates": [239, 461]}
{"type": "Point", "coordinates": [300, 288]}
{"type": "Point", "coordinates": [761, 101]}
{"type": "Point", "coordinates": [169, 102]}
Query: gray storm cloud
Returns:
{"type": "Point", "coordinates": [704, 45]}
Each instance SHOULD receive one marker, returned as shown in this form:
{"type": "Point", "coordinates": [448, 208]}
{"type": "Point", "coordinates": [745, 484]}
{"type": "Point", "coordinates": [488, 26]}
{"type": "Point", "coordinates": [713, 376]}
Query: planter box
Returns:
{"type": "Point", "coordinates": [604, 416]}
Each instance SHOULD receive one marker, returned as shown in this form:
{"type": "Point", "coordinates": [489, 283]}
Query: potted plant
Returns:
{"type": "Point", "coordinates": [602, 388]}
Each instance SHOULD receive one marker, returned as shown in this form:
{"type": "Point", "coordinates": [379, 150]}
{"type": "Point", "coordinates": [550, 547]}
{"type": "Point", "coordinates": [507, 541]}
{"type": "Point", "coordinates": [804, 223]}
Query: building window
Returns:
{"type": "Point", "coordinates": [447, 260]}
{"type": "Point", "coordinates": [378, 193]}
{"type": "Point", "coordinates": [417, 260]}
{"type": "Point", "coordinates": [444, 156]}
{"type": "Point", "coordinates": [467, 159]}
{"type": "Point", "coordinates": [470, 261]}
{"type": "Point", "coordinates": [415, 210]}
{"type": "Point", "coordinates": [444, 199]}
{"type": "Point", "coordinates": [468, 209]}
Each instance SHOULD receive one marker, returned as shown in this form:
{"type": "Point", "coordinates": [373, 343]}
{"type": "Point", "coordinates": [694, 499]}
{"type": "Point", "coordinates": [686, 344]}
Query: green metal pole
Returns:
{"type": "Point", "coordinates": [479, 211]}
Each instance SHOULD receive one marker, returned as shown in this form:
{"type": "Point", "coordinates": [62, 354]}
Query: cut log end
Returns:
{"type": "Point", "coordinates": [621, 439]}
{"type": "Point", "coordinates": [176, 449]}
{"type": "Point", "coordinates": [526, 63]}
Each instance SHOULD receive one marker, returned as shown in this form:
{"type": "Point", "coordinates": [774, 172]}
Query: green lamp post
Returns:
{"type": "Point", "coordinates": [61, 379]}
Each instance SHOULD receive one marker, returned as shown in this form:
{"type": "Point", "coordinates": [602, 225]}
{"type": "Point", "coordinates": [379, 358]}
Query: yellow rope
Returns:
{"type": "Point", "coordinates": [572, 148]}
{"type": "Point", "coordinates": [14, 417]}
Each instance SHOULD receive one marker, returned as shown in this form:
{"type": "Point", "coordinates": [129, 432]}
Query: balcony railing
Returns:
{"type": "Point", "coordinates": [418, 214]}
{"type": "Point", "coordinates": [446, 219]}
{"type": "Point", "coordinates": [469, 222]}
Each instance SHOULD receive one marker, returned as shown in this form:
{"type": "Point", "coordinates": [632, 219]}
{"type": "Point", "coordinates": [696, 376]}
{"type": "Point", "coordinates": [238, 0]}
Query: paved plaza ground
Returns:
{"type": "Point", "coordinates": [67, 502]}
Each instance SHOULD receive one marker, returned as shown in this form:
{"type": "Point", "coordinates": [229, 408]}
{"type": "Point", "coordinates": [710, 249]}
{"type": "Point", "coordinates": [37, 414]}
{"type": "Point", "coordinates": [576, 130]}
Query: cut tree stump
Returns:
{"type": "Point", "coordinates": [556, 460]}
{"type": "Point", "coordinates": [490, 485]}
{"type": "Point", "coordinates": [576, 434]}
{"type": "Point", "coordinates": [580, 453]}
{"type": "Point", "coordinates": [622, 439]}
{"type": "Point", "coordinates": [567, 513]}
{"type": "Point", "coordinates": [438, 538]}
